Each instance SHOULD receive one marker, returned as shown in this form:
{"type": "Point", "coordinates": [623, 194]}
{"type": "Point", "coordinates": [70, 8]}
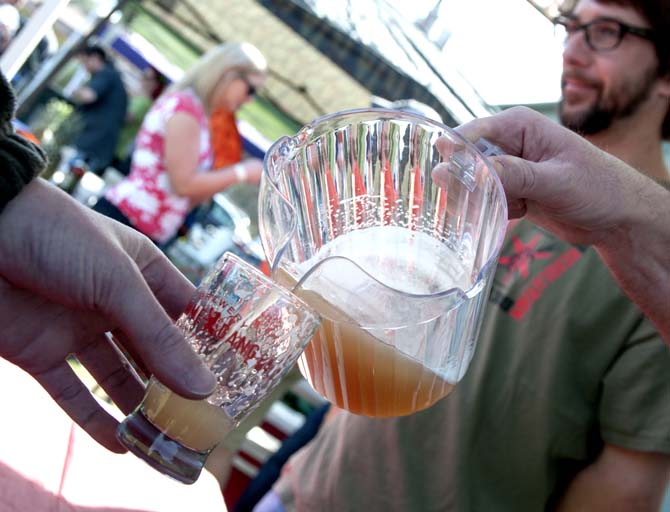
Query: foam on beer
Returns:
{"type": "Point", "coordinates": [407, 260]}
{"type": "Point", "coordinates": [369, 355]}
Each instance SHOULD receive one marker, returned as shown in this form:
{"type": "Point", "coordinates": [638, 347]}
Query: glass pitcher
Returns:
{"type": "Point", "coordinates": [398, 267]}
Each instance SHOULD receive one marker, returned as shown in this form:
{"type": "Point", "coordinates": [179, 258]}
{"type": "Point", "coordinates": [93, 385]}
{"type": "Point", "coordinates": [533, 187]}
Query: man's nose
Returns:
{"type": "Point", "coordinates": [576, 51]}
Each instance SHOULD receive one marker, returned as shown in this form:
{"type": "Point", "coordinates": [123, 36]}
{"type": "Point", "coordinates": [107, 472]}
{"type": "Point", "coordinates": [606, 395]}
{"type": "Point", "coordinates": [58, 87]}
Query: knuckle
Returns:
{"type": "Point", "coordinates": [153, 271]}
{"type": "Point", "coordinates": [116, 379]}
{"type": "Point", "coordinates": [116, 277]}
{"type": "Point", "coordinates": [526, 112]}
{"type": "Point", "coordinates": [165, 341]}
{"type": "Point", "coordinates": [91, 417]}
{"type": "Point", "coordinates": [69, 392]}
{"type": "Point", "coordinates": [527, 178]}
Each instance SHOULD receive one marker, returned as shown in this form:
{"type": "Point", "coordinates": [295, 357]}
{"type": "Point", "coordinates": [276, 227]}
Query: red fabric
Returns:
{"type": "Point", "coordinates": [28, 136]}
{"type": "Point", "coordinates": [226, 140]}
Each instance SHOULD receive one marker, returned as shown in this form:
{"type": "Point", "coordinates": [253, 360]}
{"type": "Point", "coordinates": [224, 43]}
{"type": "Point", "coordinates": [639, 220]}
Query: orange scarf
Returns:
{"type": "Point", "coordinates": [225, 138]}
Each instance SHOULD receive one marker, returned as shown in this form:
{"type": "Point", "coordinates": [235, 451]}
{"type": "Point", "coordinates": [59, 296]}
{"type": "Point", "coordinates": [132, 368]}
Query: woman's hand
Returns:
{"type": "Point", "coordinates": [253, 169]}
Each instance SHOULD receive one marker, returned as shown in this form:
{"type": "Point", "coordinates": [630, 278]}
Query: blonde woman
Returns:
{"type": "Point", "coordinates": [171, 170]}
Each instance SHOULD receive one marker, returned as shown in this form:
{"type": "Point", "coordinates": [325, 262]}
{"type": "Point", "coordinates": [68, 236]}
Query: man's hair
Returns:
{"type": "Point", "coordinates": [96, 50]}
{"type": "Point", "coordinates": [657, 14]}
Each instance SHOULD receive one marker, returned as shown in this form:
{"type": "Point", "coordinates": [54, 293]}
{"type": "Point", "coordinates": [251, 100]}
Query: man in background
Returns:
{"type": "Point", "coordinates": [101, 105]}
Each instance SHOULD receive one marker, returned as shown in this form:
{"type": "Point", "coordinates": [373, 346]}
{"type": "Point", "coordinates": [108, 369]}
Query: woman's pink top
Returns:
{"type": "Point", "coordinates": [145, 197]}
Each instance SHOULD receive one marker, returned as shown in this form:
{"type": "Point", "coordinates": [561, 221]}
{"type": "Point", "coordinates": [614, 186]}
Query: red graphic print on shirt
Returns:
{"type": "Point", "coordinates": [527, 268]}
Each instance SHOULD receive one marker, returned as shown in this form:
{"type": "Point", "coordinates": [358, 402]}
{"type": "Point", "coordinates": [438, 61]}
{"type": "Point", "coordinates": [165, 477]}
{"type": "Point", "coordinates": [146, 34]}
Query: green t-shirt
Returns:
{"type": "Point", "coordinates": [564, 363]}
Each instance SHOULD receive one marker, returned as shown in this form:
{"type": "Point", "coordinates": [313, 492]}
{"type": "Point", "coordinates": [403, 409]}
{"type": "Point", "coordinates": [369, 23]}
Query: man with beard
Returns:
{"type": "Point", "coordinates": [611, 94]}
{"type": "Point", "coordinates": [566, 405]}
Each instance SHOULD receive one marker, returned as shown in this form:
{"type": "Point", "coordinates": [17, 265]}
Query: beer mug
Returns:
{"type": "Point", "coordinates": [249, 332]}
{"type": "Point", "coordinates": [398, 268]}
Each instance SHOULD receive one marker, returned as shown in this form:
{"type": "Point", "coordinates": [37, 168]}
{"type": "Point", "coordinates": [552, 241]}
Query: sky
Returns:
{"type": "Point", "coordinates": [505, 48]}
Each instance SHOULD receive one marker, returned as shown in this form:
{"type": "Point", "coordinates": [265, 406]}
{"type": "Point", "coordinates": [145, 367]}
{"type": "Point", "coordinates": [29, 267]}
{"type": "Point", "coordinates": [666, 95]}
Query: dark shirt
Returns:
{"type": "Point", "coordinates": [102, 119]}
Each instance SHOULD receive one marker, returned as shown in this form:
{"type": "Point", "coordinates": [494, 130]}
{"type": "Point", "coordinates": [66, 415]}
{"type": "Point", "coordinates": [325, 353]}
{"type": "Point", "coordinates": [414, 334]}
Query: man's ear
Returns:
{"type": "Point", "coordinates": [664, 85]}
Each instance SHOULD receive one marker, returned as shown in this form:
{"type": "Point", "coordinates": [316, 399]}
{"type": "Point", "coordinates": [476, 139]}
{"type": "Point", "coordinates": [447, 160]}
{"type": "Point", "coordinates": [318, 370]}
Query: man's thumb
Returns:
{"type": "Point", "coordinates": [518, 177]}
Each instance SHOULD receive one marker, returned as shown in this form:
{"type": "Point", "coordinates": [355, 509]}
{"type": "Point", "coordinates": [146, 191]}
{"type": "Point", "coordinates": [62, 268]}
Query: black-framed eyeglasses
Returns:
{"type": "Point", "coordinates": [251, 88]}
{"type": "Point", "coordinates": [601, 34]}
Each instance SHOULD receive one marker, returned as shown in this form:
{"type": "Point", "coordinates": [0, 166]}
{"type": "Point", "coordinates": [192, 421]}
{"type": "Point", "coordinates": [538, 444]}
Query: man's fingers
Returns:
{"type": "Point", "coordinates": [493, 129]}
{"type": "Point", "coordinates": [113, 373]}
{"type": "Point", "coordinates": [447, 146]}
{"type": "Point", "coordinates": [518, 177]}
{"type": "Point", "coordinates": [75, 399]}
{"type": "Point", "coordinates": [155, 338]}
{"type": "Point", "coordinates": [478, 128]}
{"type": "Point", "coordinates": [152, 338]}
{"type": "Point", "coordinates": [508, 130]}
{"type": "Point", "coordinates": [170, 286]}
{"type": "Point", "coordinates": [441, 175]}
{"type": "Point", "coordinates": [516, 208]}
{"type": "Point", "coordinates": [120, 342]}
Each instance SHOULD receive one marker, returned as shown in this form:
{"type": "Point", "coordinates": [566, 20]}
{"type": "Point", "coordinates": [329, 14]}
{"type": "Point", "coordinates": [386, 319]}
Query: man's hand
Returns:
{"type": "Point", "coordinates": [556, 178]}
{"type": "Point", "coordinates": [565, 184]}
{"type": "Point", "coordinates": [67, 276]}
{"type": "Point", "coordinates": [84, 95]}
